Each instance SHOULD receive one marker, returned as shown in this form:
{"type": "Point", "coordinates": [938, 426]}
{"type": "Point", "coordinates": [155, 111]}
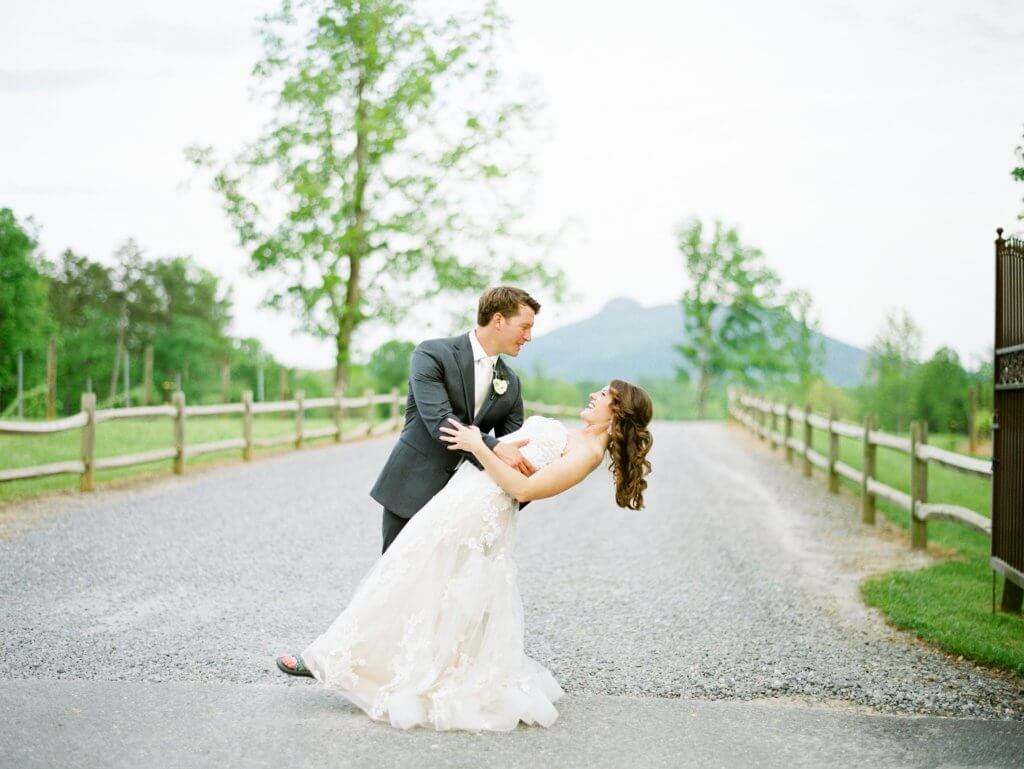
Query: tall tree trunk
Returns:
{"type": "Point", "coordinates": [282, 383]}
{"type": "Point", "coordinates": [702, 394]}
{"type": "Point", "coordinates": [702, 368]}
{"type": "Point", "coordinates": [341, 357]}
{"type": "Point", "coordinates": [225, 382]}
{"type": "Point", "coordinates": [147, 376]}
{"type": "Point", "coordinates": [348, 319]}
{"type": "Point", "coordinates": [117, 360]}
{"type": "Point", "coordinates": [51, 378]}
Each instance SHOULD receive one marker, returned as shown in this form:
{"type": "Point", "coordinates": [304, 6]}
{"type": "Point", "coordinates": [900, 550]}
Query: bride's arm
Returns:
{"type": "Point", "coordinates": [564, 473]}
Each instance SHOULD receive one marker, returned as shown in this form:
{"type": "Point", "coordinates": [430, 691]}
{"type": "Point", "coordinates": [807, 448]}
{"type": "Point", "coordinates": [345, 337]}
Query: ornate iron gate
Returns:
{"type": "Point", "coordinates": [1008, 422]}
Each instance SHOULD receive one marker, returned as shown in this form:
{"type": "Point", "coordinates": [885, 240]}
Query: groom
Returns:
{"type": "Point", "coordinates": [461, 377]}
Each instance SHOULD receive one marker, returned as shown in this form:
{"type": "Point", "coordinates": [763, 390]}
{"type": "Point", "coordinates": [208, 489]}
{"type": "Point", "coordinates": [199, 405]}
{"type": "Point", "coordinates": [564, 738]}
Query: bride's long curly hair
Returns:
{"type": "Point", "coordinates": [630, 442]}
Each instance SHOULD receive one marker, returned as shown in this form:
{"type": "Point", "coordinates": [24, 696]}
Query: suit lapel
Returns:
{"type": "Point", "coordinates": [492, 397]}
{"type": "Point", "coordinates": [464, 356]}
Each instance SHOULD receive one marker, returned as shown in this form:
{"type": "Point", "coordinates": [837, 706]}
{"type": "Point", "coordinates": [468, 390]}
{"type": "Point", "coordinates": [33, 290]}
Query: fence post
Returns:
{"type": "Point", "coordinates": [867, 499]}
{"type": "Point", "coordinates": [833, 452]}
{"type": "Point", "coordinates": [247, 425]}
{"type": "Point", "coordinates": [339, 414]}
{"type": "Point", "coordinates": [918, 485]}
{"type": "Point", "coordinates": [396, 400]}
{"type": "Point", "coordinates": [808, 440]}
{"type": "Point", "coordinates": [773, 426]}
{"type": "Point", "coordinates": [300, 416]}
{"type": "Point", "coordinates": [179, 432]}
{"type": "Point", "coordinates": [787, 426]}
{"type": "Point", "coordinates": [762, 420]}
{"type": "Point", "coordinates": [369, 411]}
{"type": "Point", "coordinates": [88, 441]}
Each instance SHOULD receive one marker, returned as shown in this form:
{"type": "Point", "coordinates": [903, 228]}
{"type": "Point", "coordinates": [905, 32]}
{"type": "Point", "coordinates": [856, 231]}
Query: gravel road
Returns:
{"type": "Point", "coordinates": [737, 582]}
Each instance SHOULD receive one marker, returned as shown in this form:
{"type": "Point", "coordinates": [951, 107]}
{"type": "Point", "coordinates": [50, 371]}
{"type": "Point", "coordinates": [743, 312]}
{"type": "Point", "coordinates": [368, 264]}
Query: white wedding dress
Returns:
{"type": "Point", "coordinates": [433, 635]}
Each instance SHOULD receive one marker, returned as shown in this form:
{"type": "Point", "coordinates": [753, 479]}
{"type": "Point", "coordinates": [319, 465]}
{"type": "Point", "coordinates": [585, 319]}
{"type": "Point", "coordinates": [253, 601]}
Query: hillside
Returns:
{"type": "Point", "coordinates": [630, 341]}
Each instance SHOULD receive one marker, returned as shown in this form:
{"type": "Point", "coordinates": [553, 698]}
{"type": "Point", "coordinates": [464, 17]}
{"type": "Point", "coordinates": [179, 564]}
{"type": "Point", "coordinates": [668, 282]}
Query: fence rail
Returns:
{"type": "Point", "coordinates": [762, 416]}
{"type": "Point", "coordinates": [42, 428]}
{"type": "Point", "coordinates": [178, 413]}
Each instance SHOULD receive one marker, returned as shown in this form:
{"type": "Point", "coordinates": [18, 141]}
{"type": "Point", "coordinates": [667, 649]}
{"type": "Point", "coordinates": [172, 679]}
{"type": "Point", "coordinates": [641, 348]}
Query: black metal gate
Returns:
{"type": "Point", "coordinates": [1008, 421]}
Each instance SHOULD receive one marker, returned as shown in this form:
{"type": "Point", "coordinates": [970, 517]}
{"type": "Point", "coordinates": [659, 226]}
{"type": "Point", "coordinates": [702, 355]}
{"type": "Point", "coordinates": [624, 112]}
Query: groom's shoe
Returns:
{"type": "Point", "coordinates": [300, 668]}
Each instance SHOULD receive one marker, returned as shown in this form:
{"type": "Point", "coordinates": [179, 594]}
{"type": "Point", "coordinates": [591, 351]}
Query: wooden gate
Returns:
{"type": "Point", "coordinates": [1008, 422]}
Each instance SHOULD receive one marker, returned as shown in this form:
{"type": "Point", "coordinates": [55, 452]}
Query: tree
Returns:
{"type": "Point", "coordinates": [891, 359]}
{"type": "Point", "coordinates": [389, 364]}
{"type": "Point", "coordinates": [940, 392]}
{"type": "Point", "coordinates": [247, 356]}
{"type": "Point", "coordinates": [806, 346]}
{"type": "Point", "coordinates": [137, 304]}
{"type": "Point", "coordinates": [105, 313]}
{"type": "Point", "coordinates": [87, 308]}
{"type": "Point", "coordinates": [24, 323]}
{"type": "Point", "coordinates": [379, 182]}
{"type": "Point", "coordinates": [188, 323]}
{"type": "Point", "coordinates": [733, 325]}
{"type": "Point", "coordinates": [981, 378]}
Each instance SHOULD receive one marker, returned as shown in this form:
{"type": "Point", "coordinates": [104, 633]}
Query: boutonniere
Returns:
{"type": "Point", "coordinates": [500, 386]}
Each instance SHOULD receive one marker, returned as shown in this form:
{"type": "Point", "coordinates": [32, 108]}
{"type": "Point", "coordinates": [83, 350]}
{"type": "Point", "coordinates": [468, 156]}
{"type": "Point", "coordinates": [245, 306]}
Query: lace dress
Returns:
{"type": "Point", "coordinates": [433, 635]}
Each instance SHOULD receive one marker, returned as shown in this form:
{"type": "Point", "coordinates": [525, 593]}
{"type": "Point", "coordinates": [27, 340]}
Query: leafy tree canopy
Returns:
{"type": "Point", "coordinates": [381, 181]}
{"type": "Point", "coordinates": [24, 323]}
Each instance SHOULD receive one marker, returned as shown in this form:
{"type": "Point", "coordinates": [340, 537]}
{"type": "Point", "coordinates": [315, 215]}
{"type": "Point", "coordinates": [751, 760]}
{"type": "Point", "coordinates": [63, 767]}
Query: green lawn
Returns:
{"type": "Point", "coordinates": [948, 604]}
{"type": "Point", "coordinates": [131, 436]}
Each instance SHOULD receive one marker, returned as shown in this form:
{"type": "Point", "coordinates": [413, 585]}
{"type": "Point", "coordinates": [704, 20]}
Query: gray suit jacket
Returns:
{"type": "Point", "coordinates": [441, 386]}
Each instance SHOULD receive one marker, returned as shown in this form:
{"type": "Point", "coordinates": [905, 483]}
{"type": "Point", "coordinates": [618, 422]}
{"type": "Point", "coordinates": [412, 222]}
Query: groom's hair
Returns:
{"type": "Point", "coordinates": [503, 299]}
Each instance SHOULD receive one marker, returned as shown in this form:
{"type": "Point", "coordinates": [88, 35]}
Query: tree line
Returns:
{"type": "Point", "coordinates": [743, 329]}
{"type": "Point", "coordinates": [387, 178]}
{"type": "Point", "coordinates": [394, 156]}
{"type": "Point", "coordinates": [739, 325]}
{"type": "Point", "coordinates": [103, 317]}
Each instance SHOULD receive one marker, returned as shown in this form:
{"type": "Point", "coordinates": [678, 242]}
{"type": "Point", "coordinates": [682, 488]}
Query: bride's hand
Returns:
{"type": "Point", "coordinates": [462, 437]}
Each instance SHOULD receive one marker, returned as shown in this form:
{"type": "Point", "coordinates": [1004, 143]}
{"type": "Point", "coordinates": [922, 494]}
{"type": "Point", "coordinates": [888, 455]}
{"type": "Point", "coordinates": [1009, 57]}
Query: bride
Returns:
{"type": "Point", "coordinates": [433, 635]}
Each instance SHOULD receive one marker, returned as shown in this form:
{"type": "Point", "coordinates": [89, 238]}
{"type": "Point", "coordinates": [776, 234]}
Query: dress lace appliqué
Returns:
{"type": "Point", "coordinates": [433, 635]}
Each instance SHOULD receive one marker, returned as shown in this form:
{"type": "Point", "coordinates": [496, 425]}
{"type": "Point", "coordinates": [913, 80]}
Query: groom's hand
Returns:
{"type": "Point", "coordinates": [510, 454]}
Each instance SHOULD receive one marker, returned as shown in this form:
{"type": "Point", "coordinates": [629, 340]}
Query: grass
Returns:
{"type": "Point", "coordinates": [121, 437]}
{"type": "Point", "coordinates": [948, 604]}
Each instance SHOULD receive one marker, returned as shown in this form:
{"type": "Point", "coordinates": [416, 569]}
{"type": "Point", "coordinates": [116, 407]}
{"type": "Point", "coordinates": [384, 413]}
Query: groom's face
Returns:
{"type": "Point", "coordinates": [513, 332]}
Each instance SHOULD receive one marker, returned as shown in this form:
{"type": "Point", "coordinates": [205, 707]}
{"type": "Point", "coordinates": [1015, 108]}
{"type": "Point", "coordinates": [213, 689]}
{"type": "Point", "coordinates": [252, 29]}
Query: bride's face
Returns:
{"type": "Point", "coordinates": [599, 408]}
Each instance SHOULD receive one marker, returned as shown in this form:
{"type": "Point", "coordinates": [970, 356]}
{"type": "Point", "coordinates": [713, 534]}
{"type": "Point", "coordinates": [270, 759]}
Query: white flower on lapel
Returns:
{"type": "Point", "coordinates": [499, 385]}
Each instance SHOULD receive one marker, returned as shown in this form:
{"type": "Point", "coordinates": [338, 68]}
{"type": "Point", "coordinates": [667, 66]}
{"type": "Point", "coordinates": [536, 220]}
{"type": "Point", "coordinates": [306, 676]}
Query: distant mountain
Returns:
{"type": "Point", "coordinates": [629, 341]}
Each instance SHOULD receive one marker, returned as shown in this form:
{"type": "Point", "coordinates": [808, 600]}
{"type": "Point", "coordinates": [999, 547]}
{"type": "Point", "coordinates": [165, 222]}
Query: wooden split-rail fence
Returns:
{"type": "Point", "coordinates": [763, 417]}
{"type": "Point", "coordinates": [178, 412]}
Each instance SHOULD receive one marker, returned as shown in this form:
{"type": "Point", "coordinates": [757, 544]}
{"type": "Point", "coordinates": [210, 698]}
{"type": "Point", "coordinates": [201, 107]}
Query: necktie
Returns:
{"type": "Point", "coordinates": [483, 381]}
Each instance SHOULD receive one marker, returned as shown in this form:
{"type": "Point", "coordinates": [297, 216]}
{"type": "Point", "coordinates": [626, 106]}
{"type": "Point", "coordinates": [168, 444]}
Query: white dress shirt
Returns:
{"type": "Point", "coordinates": [483, 370]}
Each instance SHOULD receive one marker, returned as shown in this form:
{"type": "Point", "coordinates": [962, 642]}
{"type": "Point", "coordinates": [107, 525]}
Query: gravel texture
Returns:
{"type": "Point", "coordinates": [738, 581]}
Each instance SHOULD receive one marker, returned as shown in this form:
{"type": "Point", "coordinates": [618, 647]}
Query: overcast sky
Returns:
{"type": "Point", "coordinates": [864, 146]}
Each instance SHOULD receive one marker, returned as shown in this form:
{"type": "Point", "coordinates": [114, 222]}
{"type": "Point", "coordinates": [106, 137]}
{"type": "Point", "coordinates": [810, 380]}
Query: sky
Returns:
{"type": "Point", "coordinates": [864, 147]}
